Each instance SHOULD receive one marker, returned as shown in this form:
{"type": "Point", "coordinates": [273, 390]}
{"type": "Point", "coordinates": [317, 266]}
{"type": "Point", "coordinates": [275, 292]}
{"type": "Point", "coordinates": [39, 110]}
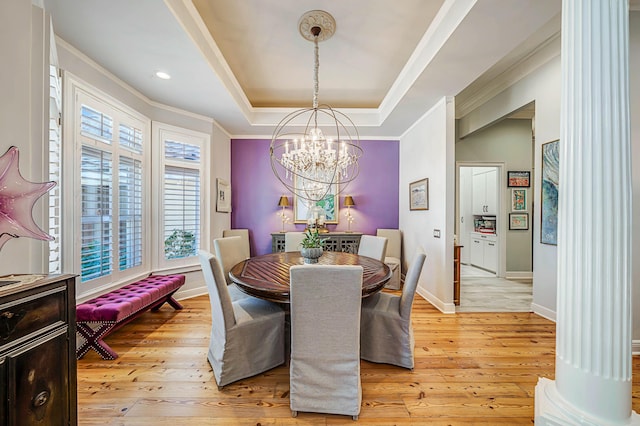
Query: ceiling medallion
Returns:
{"type": "Point", "coordinates": [320, 19]}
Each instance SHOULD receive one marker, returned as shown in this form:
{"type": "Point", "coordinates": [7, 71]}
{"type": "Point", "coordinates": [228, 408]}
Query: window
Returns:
{"type": "Point", "coordinates": [110, 185]}
{"type": "Point", "coordinates": [181, 223]}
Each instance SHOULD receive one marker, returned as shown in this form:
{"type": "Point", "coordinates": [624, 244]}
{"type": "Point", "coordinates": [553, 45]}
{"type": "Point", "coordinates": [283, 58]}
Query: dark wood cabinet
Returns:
{"type": "Point", "coordinates": [346, 242]}
{"type": "Point", "coordinates": [37, 352]}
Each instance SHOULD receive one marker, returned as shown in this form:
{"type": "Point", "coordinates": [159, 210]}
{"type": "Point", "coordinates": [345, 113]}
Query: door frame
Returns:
{"type": "Point", "coordinates": [501, 218]}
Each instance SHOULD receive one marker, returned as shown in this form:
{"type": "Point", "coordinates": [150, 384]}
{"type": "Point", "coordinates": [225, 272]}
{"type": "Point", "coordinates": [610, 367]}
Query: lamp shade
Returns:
{"type": "Point", "coordinates": [284, 202]}
{"type": "Point", "coordinates": [348, 201]}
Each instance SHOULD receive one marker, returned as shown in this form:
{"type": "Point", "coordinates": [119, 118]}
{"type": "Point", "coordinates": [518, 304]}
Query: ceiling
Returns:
{"type": "Point", "coordinates": [245, 64]}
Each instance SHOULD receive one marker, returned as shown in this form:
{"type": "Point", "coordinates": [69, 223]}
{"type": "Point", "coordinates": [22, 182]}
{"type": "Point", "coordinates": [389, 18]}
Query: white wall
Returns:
{"type": "Point", "coordinates": [543, 87]}
{"type": "Point", "coordinates": [24, 49]}
{"type": "Point", "coordinates": [427, 151]}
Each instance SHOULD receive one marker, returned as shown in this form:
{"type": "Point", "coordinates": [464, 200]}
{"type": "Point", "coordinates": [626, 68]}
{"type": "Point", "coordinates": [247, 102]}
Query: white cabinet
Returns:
{"type": "Point", "coordinates": [477, 252]}
{"type": "Point", "coordinates": [485, 192]}
{"type": "Point", "coordinates": [484, 251]}
{"type": "Point", "coordinates": [490, 255]}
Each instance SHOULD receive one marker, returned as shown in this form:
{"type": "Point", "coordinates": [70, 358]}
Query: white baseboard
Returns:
{"type": "Point", "coordinates": [192, 292]}
{"type": "Point", "coordinates": [522, 275]}
{"type": "Point", "coordinates": [551, 315]}
{"type": "Point", "coordinates": [445, 308]}
{"type": "Point", "coordinates": [543, 312]}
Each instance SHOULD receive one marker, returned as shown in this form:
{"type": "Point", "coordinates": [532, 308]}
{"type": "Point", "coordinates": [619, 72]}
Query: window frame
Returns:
{"type": "Point", "coordinates": [160, 133]}
{"type": "Point", "coordinates": [76, 94]}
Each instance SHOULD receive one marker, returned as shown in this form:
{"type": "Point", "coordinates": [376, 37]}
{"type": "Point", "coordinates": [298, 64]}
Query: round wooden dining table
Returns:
{"type": "Point", "coordinates": [267, 276]}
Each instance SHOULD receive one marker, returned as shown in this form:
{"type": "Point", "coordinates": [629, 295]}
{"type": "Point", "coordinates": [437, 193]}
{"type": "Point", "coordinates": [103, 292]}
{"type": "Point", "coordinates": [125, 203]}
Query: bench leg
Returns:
{"type": "Point", "coordinates": [93, 339]}
{"type": "Point", "coordinates": [167, 299]}
{"type": "Point", "coordinates": [174, 303]}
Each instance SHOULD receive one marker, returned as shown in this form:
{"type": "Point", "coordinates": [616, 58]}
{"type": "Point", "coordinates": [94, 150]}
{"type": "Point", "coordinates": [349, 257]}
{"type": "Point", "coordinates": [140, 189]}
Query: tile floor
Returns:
{"type": "Point", "coordinates": [482, 291]}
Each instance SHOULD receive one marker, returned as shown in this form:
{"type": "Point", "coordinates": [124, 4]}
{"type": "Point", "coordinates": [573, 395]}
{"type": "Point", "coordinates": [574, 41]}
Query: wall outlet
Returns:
{"type": "Point", "coordinates": [436, 233]}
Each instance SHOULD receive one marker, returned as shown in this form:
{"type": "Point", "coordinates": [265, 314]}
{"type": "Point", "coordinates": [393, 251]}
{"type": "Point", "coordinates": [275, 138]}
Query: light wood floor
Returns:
{"type": "Point", "coordinates": [471, 368]}
{"type": "Point", "coordinates": [482, 291]}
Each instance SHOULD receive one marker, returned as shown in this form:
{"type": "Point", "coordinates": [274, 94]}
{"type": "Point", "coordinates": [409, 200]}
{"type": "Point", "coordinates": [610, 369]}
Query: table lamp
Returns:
{"type": "Point", "coordinates": [284, 203]}
{"type": "Point", "coordinates": [348, 202]}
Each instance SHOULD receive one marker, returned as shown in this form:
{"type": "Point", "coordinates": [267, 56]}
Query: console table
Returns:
{"type": "Point", "coordinates": [347, 242]}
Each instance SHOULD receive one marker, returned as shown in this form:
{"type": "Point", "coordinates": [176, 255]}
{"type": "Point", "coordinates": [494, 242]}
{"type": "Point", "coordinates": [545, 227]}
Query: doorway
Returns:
{"type": "Point", "coordinates": [495, 275]}
{"type": "Point", "coordinates": [479, 219]}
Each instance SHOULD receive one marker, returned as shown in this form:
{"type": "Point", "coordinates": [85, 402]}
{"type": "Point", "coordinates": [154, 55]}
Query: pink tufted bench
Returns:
{"type": "Point", "coordinates": [101, 316]}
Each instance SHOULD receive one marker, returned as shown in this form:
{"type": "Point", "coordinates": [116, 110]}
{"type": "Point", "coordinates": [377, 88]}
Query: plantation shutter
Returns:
{"type": "Point", "coordinates": [181, 189]}
{"type": "Point", "coordinates": [97, 227]}
{"type": "Point", "coordinates": [130, 213]}
{"type": "Point", "coordinates": [55, 162]}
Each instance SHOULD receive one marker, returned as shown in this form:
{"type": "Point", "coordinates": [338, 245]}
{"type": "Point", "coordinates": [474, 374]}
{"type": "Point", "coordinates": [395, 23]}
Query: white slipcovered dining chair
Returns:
{"type": "Point", "coordinates": [325, 339]}
{"type": "Point", "coordinates": [386, 333]}
{"type": "Point", "coordinates": [247, 336]}
{"type": "Point", "coordinates": [372, 246]}
{"type": "Point", "coordinates": [229, 251]}
{"type": "Point", "coordinates": [393, 256]}
{"type": "Point", "coordinates": [242, 233]}
{"type": "Point", "coordinates": [292, 241]}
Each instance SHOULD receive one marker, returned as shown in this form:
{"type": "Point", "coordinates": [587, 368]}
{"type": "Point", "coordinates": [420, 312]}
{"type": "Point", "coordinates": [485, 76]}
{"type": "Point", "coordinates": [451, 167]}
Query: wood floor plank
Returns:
{"type": "Point", "coordinates": [470, 369]}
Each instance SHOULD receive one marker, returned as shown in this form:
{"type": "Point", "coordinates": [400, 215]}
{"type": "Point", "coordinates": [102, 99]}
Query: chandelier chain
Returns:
{"type": "Point", "coordinates": [316, 69]}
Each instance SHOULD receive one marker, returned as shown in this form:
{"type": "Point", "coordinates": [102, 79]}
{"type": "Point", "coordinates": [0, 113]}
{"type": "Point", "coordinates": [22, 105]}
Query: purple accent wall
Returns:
{"type": "Point", "coordinates": [255, 191]}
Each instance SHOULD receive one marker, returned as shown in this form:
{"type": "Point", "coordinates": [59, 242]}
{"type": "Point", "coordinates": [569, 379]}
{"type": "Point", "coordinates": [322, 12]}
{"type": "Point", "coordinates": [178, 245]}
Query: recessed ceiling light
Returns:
{"type": "Point", "coordinates": [163, 75]}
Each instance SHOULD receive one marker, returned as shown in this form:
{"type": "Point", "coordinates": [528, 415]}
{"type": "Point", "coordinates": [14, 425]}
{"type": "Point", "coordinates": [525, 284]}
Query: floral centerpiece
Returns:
{"type": "Point", "coordinates": [312, 246]}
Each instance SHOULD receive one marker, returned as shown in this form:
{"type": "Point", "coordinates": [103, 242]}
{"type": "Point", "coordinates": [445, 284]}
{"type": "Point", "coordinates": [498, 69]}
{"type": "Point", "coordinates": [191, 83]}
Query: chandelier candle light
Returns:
{"type": "Point", "coordinates": [308, 163]}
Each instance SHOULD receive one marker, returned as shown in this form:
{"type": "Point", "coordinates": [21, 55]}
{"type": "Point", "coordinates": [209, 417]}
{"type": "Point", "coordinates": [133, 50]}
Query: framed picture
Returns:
{"type": "Point", "coordinates": [419, 195]}
{"type": "Point", "coordinates": [519, 221]}
{"type": "Point", "coordinates": [518, 200]}
{"type": "Point", "coordinates": [223, 201]}
{"type": "Point", "coordinates": [330, 205]}
{"type": "Point", "coordinates": [518, 179]}
{"type": "Point", "coordinates": [549, 200]}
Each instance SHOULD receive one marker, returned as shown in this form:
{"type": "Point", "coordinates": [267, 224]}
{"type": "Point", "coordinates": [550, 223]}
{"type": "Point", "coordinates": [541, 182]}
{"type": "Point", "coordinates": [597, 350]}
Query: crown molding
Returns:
{"type": "Point", "coordinates": [480, 92]}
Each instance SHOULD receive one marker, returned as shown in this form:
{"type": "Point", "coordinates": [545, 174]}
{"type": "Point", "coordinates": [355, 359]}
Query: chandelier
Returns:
{"type": "Point", "coordinates": [309, 163]}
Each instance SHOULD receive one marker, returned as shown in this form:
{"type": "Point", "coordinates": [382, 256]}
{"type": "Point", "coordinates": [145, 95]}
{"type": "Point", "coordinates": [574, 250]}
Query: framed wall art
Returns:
{"type": "Point", "coordinates": [330, 205]}
{"type": "Point", "coordinates": [519, 221]}
{"type": "Point", "coordinates": [518, 200]}
{"type": "Point", "coordinates": [419, 195]}
{"type": "Point", "coordinates": [223, 200]}
{"type": "Point", "coordinates": [549, 199]}
{"type": "Point", "coordinates": [518, 179]}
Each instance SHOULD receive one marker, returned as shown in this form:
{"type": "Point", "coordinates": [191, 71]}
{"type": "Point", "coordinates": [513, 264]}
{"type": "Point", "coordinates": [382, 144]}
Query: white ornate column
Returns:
{"type": "Point", "coordinates": [593, 342]}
